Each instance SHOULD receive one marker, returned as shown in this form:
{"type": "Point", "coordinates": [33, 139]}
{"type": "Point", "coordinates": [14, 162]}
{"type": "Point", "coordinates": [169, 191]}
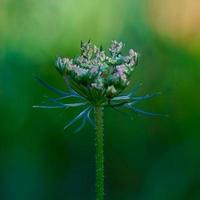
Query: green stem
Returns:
{"type": "Point", "coordinates": [99, 153]}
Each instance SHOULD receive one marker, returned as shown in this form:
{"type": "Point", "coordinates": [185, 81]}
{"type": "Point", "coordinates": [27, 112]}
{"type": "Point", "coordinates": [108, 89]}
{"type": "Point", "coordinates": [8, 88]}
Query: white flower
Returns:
{"type": "Point", "coordinates": [133, 53]}
{"type": "Point", "coordinates": [80, 71]}
{"type": "Point", "coordinates": [116, 47]}
{"type": "Point", "coordinates": [111, 90]}
{"type": "Point", "coordinates": [131, 58]}
{"type": "Point", "coordinates": [98, 84]}
{"type": "Point", "coordinates": [101, 55]}
{"type": "Point", "coordinates": [94, 70]}
{"type": "Point", "coordinates": [69, 64]}
{"type": "Point", "coordinates": [123, 77]}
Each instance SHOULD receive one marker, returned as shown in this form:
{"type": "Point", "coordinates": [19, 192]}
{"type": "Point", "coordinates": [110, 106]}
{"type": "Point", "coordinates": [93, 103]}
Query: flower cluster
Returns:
{"type": "Point", "coordinates": [103, 76]}
{"type": "Point", "coordinates": [95, 79]}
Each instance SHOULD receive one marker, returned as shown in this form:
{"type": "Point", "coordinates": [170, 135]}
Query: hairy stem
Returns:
{"type": "Point", "coordinates": [99, 153]}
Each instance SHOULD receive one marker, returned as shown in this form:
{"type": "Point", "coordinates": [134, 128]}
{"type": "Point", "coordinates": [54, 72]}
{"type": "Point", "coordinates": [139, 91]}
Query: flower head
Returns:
{"type": "Point", "coordinates": [101, 76]}
{"type": "Point", "coordinates": [95, 79]}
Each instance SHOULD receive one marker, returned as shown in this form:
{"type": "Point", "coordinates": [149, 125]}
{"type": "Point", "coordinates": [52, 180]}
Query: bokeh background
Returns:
{"type": "Point", "coordinates": [145, 158]}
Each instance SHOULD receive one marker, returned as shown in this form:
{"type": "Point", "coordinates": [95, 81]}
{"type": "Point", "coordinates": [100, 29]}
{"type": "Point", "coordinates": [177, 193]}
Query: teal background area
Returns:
{"type": "Point", "coordinates": [146, 158]}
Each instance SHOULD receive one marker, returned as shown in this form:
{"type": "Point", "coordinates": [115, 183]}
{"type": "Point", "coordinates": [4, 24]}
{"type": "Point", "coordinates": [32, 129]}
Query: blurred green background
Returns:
{"type": "Point", "coordinates": [145, 158]}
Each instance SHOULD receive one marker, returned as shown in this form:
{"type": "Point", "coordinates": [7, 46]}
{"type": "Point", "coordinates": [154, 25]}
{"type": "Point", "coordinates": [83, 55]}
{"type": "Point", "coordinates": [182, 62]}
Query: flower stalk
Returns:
{"type": "Point", "coordinates": [98, 112]}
